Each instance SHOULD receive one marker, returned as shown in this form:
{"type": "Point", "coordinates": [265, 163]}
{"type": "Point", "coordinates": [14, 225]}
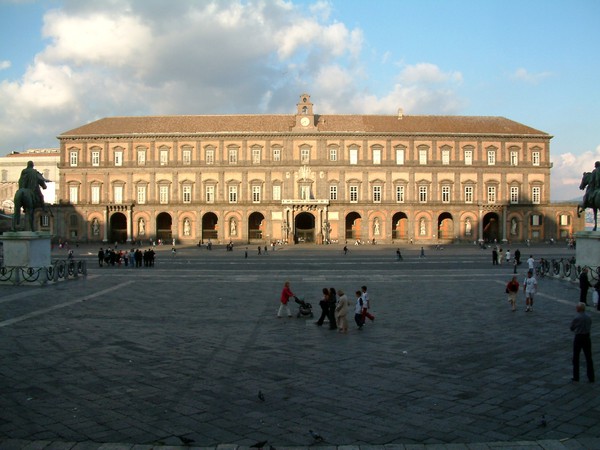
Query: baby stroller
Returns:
{"type": "Point", "coordinates": [304, 308]}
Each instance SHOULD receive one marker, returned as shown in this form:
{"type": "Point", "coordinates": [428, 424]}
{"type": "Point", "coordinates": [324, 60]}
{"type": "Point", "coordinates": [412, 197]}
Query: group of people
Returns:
{"type": "Point", "coordinates": [581, 325]}
{"type": "Point", "coordinates": [334, 307]}
{"type": "Point", "coordinates": [133, 258]}
{"type": "Point", "coordinates": [498, 255]}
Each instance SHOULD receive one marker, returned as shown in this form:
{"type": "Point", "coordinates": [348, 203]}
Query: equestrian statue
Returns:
{"type": "Point", "coordinates": [29, 195]}
{"type": "Point", "coordinates": [591, 198]}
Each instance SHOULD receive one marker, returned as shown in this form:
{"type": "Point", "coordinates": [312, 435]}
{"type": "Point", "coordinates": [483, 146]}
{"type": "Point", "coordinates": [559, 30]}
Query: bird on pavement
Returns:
{"type": "Point", "coordinates": [316, 436]}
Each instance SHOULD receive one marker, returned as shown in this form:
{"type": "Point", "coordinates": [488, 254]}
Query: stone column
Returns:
{"type": "Point", "coordinates": [105, 213]}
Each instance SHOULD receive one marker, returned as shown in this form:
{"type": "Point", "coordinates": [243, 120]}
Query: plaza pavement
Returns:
{"type": "Point", "coordinates": [174, 356]}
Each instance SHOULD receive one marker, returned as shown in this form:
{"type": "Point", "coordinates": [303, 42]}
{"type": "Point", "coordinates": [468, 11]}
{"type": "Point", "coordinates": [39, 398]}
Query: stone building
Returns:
{"type": "Point", "coordinates": [308, 177]}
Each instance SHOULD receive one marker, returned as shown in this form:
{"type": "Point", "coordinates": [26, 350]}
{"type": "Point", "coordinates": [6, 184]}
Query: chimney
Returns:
{"type": "Point", "coordinates": [400, 113]}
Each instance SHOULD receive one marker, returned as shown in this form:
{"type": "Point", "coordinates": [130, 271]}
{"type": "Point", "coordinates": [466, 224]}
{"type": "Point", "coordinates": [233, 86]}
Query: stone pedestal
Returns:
{"type": "Point", "coordinates": [26, 249]}
{"type": "Point", "coordinates": [587, 251]}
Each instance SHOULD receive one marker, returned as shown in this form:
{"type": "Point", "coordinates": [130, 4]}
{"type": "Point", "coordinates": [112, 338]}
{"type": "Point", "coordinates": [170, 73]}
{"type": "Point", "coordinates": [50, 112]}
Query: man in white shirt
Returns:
{"type": "Point", "coordinates": [530, 288]}
{"type": "Point", "coordinates": [531, 263]}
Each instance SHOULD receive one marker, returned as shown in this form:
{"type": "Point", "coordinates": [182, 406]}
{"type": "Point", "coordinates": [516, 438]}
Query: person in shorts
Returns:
{"type": "Point", "coordinates": [530, 288]}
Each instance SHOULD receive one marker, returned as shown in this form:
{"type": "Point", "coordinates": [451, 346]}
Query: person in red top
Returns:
{"type": "Point", "coordinates": [512, 289]}
{"type": "Point", "coordinates": [286, 294]}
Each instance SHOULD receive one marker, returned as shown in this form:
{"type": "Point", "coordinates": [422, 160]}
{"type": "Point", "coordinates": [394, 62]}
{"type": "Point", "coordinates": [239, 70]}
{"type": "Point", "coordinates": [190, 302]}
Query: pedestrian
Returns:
{"type": "Point", "coordinates": [582, 326]}
{"type": "Point", "coordinates": [584, 285]}
{"type": "Point", "coordinates": [341, 312]}
{"type": "Point", "coordinates": [530, 288]}
{"type": "Point", "coordinates": [596, 296]}
{"type": "Point", "coordinates": [515, 265]}
{"type": "Point", "coordinates": [331, 311]}
{"type": "Point", "coordinates": [259, 249]}
{"type": "Point", "coordinates": [246, 253]}
{"type": "Point", "coordinates": [286, 294]}
{"type": "Point", "coordinates": [512, 289]}
{"type": "Point", "coordinates": [518, 257]}
{"type": "Point", "coordinates": [366, 304]}
{"type": "Point", "coordinates": [100, 257]}
{"type": "Point", "coordinates": [422, 255]}
{"type": "Point", "coordinates": [358, 308]}
{"type": "Point", "coordinates": [494, 257]}
{"type": "Point", "coordinates": [499, 254]}
{"type": "Point", "coordinates": [531, 263]}
{"type": "Point", "coordinates": [345, 249]}
{"type": "Point", "coordinates": [398, 254]}
{"type": "Point", "coordinates": [173, 251]}
{"type": "Point", "coordinates": [507, 256]}
{"type": "Point", "coordinates": [324, 304]}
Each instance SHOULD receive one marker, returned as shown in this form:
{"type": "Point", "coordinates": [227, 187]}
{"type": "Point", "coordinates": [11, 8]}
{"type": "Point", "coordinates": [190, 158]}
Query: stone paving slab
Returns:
{"type": "Point", "coordinates": [153, 357]}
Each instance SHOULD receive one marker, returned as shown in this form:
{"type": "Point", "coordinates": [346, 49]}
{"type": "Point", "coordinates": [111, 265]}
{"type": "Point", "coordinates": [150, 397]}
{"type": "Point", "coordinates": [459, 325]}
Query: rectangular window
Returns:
{"type": "Point", "coordinates": [353, 156]}
{"type": "Point", "coordinates": [277, 192]}
{"type": "Point", "coordinates": [514, 158]}
{"type": "Point", "coordinates": [400, 156]}
{"type": "Point", "coordinates": [491, 194]}
{"type": "Point", "coordinates": [468, 194]}
{"type": "Point", "coordinates": [73, 159]}
{"type": "Point", "coordinates": [445, 157]}
{"type": "Point", "coordinates": [468, 157]}
{"type": "Point", "coordinates": [210, 156]}
{"type": "Point", "coordinates": [141, 157]}
{"type": "Point", "coordinates": [256, 156]}
{"type": "Point", "coordinates": [233, 156]}
{"type": "Point", "coordinates": [73, 194]}
{"type": "Point", "coordinates": [514, 194]}
{"type": "Point", "coordinates": [564, 220]}
{"type": "Point", "coordinates": [95, 158]}
{"type": "Point", "coordinates": [163, 195]}
{"type": "Point", "coordinates": [164, 157]}
{"type": "Point", "coordinates": [333, 192]}
{"type": "Point", "coordinates": [422, 157]}
{"type": "Point", "coordinates": [95, 195]}
{"type": "Point", "coordinates": [353, 194]}
{"type": "Point", "coordinates": [233, 194]}
{"type": "Point", "coordinates": [536, 194]}
{"type": "Point", "coordinates": [376, 194]}
{"type": "Point", "coordinates": [141, 195]}
{"type": "Point", "coordinates": [118, 191]}
{"type": "Point", "coordinates": [255, 194]}
{"type": "Point", "coordinates": [536, 220]}
{"type": "Point", "coordinates": [400, 194]}
{"type": "Point", "coordinates": [187, 193]}
{"type": "Point", "coordinates": [422, 194]}
{"type": "Point", "coordinates": [276, 154]}
{"type": "Point", "coordinates": [445, 194]}
{"type": "Point", "coordinates": [491, 157]}
{"type": "Point", "coordinates": [304, 192]}
{"type": "Point", "coordinates": [45, 219]}
{"type": "Point", "coordinates": [304, 155]}
{"type": "Point", "coordinates": [210, 194]}
{"type": "Point", "coordinates": [376, 156]}
{"type": "Point", "coordinates": [187, 157]}
{"type": "Point", "coordinates": [119, 158]}
{"type": "Point", "coordinates": [333, 154]}
{"type": "Point", "coordinates": [535, 158]}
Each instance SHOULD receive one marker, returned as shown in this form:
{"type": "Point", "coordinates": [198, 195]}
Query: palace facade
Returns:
{"type": "Point", "coordinates": [308, 177]}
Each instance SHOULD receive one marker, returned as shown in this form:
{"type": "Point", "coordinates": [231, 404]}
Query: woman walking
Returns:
{"type": "Point", "coordinates": [341, 311]}
{"type": "Point", "coordinates": [324, 304]}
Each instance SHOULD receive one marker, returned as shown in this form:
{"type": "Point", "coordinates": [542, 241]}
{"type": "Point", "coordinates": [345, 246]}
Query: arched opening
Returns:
{"type": "Point", "coordinates": [400, 226]}
{"type": "Point", "coordinates": [304, 227]}
{"type": "Point", "coordinates": [491, 226]}
{"type": "Point", "coordinates": [353, 221]}
{"type": "Point", "coordinates": [163, 227]}
{"type": "Point", "coordinates": [118, 228]}
{"type": "Point", "coordinates": [256, 223]}
{"type": "Point", "coordinates": [445, 226]}
{"type": "Point", "coordinates": [209, 226]}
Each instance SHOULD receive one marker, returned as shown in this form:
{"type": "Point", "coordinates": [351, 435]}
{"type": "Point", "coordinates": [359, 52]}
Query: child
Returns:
{"type": "Point", "coordinates": [358, 309]}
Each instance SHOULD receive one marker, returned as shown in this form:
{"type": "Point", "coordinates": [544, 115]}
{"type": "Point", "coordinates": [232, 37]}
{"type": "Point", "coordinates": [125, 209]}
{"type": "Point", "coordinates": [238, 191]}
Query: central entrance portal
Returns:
{"type": "Point", "coordinates": [305, 228]}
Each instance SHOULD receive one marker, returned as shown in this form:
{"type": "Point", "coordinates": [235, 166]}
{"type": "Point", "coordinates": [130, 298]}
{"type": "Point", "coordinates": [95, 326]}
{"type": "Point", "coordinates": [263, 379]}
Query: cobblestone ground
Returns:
{"type": "Point", "coordinates": [175, 355]}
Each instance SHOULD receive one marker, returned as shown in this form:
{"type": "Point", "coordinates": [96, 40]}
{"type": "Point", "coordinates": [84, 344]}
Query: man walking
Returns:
{"type": "Point", "coordinates": [584, 285]}
{"type": "Point", "coordinates": [530, 288]}
{"type": "Point", "coordinates": [581, 326]}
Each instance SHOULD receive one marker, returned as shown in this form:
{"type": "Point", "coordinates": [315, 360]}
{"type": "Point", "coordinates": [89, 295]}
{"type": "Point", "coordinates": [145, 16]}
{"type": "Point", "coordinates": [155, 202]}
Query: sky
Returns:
{"type": "Point", "coordinates": [65, 63]}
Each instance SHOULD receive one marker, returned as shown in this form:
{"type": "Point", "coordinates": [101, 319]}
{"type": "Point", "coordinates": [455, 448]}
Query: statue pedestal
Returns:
{"type": "Point", "coordinates": [26, 249]}
{"type": "Point", "coordinates": [587, 251]}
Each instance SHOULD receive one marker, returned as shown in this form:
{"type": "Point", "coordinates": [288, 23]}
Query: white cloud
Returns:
{"type": "Point", "coordinates": [567, 171]}
{"type": "Point", "coordinates": [427, 73]}
{"type": "Point", "coordinates": [5, 64]}
{"type": "Point", "coordinates": [524, 75]}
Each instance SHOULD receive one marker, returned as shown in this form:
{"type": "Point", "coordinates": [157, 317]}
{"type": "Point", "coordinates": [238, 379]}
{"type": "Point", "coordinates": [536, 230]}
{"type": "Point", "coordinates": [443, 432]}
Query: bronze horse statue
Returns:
{"type": "Point", "coordinates": [591, 198]}
{"type": "Point", "coordinates": [26, 199]}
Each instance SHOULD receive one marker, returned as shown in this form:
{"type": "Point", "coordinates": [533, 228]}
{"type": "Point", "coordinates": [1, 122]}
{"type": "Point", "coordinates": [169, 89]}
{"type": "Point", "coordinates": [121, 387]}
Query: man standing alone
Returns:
{"type": "Point", "coordinates": [582, 325]}
{"type": "Point", "coordinates": [584, 285]}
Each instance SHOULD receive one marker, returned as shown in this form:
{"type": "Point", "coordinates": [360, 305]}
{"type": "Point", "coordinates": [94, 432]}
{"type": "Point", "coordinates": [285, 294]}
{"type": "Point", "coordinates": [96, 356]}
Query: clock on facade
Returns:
{"type": "Point", "coordinates": [304, 121]}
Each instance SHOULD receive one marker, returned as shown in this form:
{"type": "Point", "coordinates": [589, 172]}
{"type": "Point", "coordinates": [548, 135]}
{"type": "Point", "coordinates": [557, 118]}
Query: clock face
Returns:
{"type": "Point", "coordinates": [305, 121]}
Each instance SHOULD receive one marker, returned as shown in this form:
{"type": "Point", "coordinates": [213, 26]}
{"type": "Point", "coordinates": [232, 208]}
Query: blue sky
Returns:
{"type": "Point", "coordinates": [66, 63]}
